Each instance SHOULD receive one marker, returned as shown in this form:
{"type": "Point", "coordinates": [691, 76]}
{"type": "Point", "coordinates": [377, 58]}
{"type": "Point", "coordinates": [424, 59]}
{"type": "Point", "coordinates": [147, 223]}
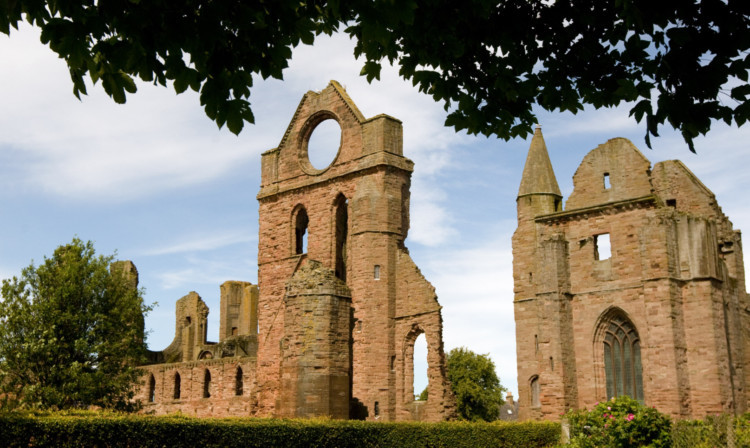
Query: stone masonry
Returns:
{"type": "Point", "coordinates": [637, 287]}
{"type": "Point", "coordinates": [331, 329]}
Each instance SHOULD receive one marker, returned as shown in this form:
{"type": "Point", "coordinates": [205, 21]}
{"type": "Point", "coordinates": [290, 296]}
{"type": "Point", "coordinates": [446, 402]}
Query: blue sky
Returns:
{"type": "Point", "coordinates": [158, 182]}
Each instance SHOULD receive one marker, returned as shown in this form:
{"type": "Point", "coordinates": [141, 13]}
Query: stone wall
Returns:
{"type": "Point", "coordinates": [674, 272]}
{"type": "Point", "coordinates": [370, 178]}
{"type": "Point", "coordinates": [231, 388]}
{"type": "Point", "coordinates": [331, 330]}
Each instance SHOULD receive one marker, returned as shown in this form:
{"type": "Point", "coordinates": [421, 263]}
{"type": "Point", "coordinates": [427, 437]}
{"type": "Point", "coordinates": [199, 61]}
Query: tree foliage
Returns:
{"type": "Point", "coordinates": [676, 62]}
{"type": "Point", "coordinates": [72, 333]}
{"type": "Point", "coordinates": [475, 385]}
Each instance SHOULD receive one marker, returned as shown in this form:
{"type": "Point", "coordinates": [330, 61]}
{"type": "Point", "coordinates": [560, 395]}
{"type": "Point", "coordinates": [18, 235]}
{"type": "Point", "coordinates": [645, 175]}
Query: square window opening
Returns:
{"type": "Point", "coordinates": [602, 247]}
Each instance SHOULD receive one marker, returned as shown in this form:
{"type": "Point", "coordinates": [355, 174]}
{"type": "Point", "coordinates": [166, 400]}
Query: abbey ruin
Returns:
{"type": "Point", "coordinates": [636, 287]}
{"type": "Point", "coordinates": [330, 328]}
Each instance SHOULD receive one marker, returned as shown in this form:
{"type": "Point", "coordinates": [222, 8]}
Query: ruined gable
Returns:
{"type": "Point", "coordinates": [636, 288]}
{"type": "Point", "coordinates": [613, 171]}
{"type": "Point", "coordinates": [330, 329]}
{"type": "Point", "coordinates": [354, 216]}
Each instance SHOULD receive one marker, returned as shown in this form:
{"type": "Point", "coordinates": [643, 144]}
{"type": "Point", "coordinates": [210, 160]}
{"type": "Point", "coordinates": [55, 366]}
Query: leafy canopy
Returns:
{"type": "Point", "coordinates": [71, 333]}
{"type": "Point", "coordinates": [683, 63]}
{"type": "Point", "coordinates": [475, 385]}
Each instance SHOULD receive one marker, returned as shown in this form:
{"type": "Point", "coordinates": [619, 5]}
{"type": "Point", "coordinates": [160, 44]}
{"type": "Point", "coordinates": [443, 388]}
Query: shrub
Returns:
{"type": "Point", "coordinates": [62, 430]}
{"type": "Point", "coordinates": [619, 423]}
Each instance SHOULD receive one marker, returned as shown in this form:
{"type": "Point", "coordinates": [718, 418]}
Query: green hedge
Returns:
{"type": "Point", "coordinates": [712, 431]}
{"type": "Point", "coordinates": [109, 430]}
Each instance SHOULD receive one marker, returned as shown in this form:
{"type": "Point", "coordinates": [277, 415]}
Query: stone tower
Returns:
{"type": "Point", "coordinates": [350, 218]}
{"type": "Point", "coordinates": [637, 288]}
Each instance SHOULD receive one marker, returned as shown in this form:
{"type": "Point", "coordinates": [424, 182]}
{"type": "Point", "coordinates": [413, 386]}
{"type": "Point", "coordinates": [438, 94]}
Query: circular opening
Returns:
{"type": "Point", "coordinates": [323, 144]}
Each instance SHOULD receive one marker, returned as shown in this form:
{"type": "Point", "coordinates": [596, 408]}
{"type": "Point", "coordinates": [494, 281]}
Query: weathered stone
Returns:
{"type": "Point", "coordinates": [315, 351]}
{"type": "Point", "coordinates": [674, 281]}
{"type": "Point", "coordinates": [340, 302]}
{"type": "Point", "coordinates": [357, 218]}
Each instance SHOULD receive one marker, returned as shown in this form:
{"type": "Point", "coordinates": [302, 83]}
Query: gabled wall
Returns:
{"type": "Point", "coordinates": [675, 275]}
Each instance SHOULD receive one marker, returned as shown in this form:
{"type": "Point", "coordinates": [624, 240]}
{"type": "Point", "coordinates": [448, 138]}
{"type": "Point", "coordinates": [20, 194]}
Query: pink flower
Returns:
{"type": "Point", "coordinates": [630, 417]}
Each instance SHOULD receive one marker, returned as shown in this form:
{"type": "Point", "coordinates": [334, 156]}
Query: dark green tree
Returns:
{"type": "Point", "coordinates": [475, 385]}
{"type": "Point", "coordinates": [71, 333]}
{"type": "Point", "coordinates": [676, 62]}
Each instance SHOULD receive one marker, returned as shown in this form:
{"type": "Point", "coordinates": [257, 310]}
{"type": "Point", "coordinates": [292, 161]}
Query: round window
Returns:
{"type": "Point", "coordinates": [323, 144]}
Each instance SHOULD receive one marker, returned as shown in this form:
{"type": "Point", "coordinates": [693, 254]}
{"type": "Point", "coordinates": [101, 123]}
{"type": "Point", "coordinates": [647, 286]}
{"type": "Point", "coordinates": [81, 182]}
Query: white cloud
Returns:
{"type": "Point", "coordinates": [95, 148]}
{"type": "Point", "coordinates": [475, 287]}
{"type": "Point", "coordinates": [612, 121]}
{"type": "Point", "coordinates": [203, 242]}
{"type": "Point", "coordinates": [212, 270]}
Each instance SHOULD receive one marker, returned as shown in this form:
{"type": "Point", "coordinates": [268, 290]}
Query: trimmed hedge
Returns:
{"type": "Point", "coordinates": [112, 430]}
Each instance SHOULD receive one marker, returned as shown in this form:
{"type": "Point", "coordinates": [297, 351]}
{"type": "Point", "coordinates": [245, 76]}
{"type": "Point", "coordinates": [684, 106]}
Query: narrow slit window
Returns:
{"type": "Point", "coordinates": [300, 232]}
{"type": "Point", "coordinates": [238, 386]}
{"type": "Point", "coordinates": [177, 391]}
{"type": "Point", "coordinates": [607, 185]}
{"type": "Point", "coordinates": [151, 389]}
{"type": "Point", "coordinates": [602, 247]}
{"type": "Point", "coordinates": [342, 232]}
{"type": "Point", "coordinates": [376, 272]}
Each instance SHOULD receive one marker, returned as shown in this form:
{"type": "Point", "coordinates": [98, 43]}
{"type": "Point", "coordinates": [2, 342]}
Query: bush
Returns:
{"type": "Point", "coordinates": [619, 423]}
{"type": "Point", "coordinates": [712, 431]}
{"type": "Point", "coordinates": [83, 429]}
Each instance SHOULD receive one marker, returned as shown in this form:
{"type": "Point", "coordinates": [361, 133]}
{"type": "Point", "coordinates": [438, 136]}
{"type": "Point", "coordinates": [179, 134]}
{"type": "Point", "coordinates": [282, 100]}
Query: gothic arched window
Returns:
{"type": "Point", "coordinates": [622, 357]}
{"type": "Point", "coordinates": [535, 392]}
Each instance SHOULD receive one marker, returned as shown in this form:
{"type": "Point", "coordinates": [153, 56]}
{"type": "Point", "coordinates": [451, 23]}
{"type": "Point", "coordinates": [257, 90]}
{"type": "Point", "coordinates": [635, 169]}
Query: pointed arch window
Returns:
{"type": "Point", "coordinates": [535, 390]}
{"type": "Point", "coordinates": [622, 358]}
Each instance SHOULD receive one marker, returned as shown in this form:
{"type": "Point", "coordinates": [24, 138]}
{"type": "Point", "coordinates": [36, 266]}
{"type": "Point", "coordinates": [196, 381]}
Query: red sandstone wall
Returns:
{"type": "Point", "coordinates": [223, 401]}
{"type": "Point", "coordinates": [673, 271]}
{"type": "Point", "coordinates": [373, 176]}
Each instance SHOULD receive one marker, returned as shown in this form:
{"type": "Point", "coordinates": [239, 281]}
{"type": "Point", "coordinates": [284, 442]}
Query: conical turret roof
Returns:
{"type": "Point", "coordinates": [538, 175]}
